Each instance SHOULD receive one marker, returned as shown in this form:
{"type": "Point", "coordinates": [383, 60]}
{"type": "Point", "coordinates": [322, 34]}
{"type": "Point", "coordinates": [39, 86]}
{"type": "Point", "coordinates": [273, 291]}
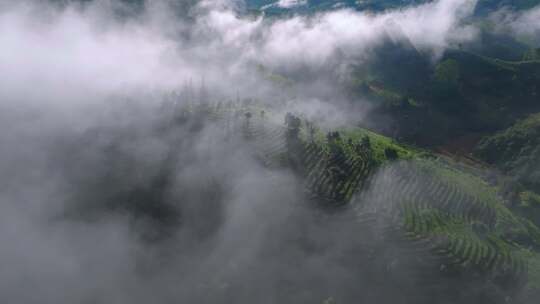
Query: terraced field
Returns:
{"type": "Point", "coordinates": [465, 223]}
{"type": "Point", "coordinates": [446, 221]}
{"type": "Point", "coordinates": [334, 175]}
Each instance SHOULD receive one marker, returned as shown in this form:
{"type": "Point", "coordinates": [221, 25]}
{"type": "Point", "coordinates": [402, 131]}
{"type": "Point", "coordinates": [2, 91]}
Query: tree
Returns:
{"type": "Point", "coordinates": [248, 116]}
{"type": "Point", "coordinates": [365, 142]}
{"type": "Point", "coordinates": [311, 130]}
{"type": "Point", "coordinates": [293, 125]}
{"type": "Point", "coordinates": [364, 146]}
{"type": "Point", "coordinates": [335, 143]}
{"type": "Point", "coordinates": [333, 137]}
{"type": "Point", "coordinates": [294, 146]}
{"type": "Point", "coordinates": [390, 153]}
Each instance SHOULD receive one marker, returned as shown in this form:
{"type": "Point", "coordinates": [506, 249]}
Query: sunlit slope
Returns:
{"type": "Point", "coordinates": [432, 222]}
{"type": "Point", "coordinates": [453, 216]}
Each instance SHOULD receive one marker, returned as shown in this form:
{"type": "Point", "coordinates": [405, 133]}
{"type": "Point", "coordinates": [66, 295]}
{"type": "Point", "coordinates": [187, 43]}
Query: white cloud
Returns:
{"type": "Point", "coordinates": [523, 24]}
{"type": "Point", "coordinates": [64, 53]}
{"type": "Point", "coordinates": [291, 3]}
{"type": "Point", "coordinates": [312, 40]}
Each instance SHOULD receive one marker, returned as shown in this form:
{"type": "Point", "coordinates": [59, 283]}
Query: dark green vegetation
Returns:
{"type": "Point", "coordinates": [465, 92]}
{"type": "Point", "coordinates": [516, 151]}
{"type": "Point", "coordinates": [485, 6]}
{"type": "Point", "coordinates": [446, 213]}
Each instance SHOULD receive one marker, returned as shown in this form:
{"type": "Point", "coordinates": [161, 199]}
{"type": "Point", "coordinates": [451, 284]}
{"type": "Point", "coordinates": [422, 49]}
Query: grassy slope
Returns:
{"type": "Point", "coordinates": [378, 142]}
{"type": "Point", "coordinates": [461, 203]}
{"type": "Point", "coordinates": [458, 217]}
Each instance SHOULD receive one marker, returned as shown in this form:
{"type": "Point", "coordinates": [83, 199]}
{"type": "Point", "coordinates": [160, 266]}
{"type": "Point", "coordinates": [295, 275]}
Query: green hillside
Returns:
{"type": "Point", "coordinates": [516, 151]}
{"type": "Point", "coordinates": [450, 218]}
{"type": "Point", "coordinates": [463, 93]}
{"type": "Point", "coordinates": [454, 215]}
{"type": "Point", "coordinates": [421, 225]}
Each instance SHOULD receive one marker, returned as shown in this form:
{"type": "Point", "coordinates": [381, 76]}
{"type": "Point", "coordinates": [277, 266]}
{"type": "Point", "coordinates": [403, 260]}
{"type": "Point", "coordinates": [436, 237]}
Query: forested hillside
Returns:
{"type": "Point", "coordinates": [515, 150]}
{"type": "Point", "coordinates": [437, 222]}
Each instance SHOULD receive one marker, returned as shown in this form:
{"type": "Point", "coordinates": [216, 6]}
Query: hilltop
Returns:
{"type": "Point", "coordinates": [414, 213]}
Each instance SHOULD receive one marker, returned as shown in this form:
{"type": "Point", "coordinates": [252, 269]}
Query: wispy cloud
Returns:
{"type": "Point", "coordinates": [87, 49]}
{"type": "Point", "coordinates": [522, 24]}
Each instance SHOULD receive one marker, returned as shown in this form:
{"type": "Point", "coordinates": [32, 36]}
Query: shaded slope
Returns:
{"type": "Point", "coordinates": [516, 150]}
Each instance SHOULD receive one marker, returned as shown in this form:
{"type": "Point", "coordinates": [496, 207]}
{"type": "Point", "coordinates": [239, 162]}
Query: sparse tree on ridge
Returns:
{"type": "Point", "coordinates": [311, 130]}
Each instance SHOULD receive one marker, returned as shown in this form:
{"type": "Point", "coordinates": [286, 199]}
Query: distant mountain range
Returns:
{"type": "Point", "coordinates": [306, 6]}
{"type": "Point", "coordinates": [310, 6]}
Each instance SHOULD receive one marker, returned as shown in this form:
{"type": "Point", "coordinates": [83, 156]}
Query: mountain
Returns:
{"type": "Point", "coordinates": [421, 224]}
{"type": "Point", "coordinates": [311, 6]}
